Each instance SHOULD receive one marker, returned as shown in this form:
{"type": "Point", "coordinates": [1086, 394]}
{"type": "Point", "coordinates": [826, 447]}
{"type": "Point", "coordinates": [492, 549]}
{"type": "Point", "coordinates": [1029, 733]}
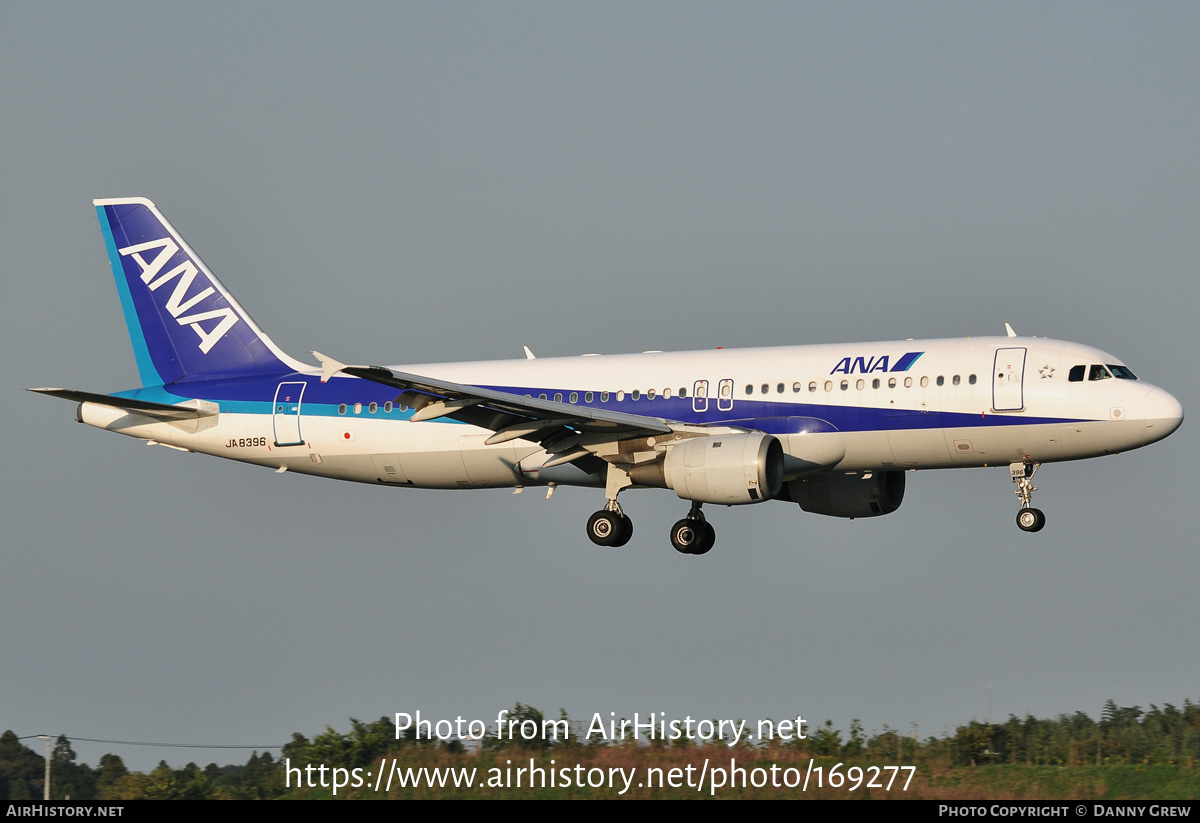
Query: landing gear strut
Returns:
{"type": "Point", "coordinates": [610, 526]}
{"type": "Point", "coordinates": [1028, 519]}
{"type": "Point", "coordinates": [693, 534]}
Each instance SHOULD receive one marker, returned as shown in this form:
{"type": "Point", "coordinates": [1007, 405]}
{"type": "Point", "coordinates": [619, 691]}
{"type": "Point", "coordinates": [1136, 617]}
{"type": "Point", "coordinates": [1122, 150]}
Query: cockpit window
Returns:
{"type": "Point", "coordinates": [1122, 372]}
{"type": "Point", "coordinates": [1098, 373]}
{"type": "Point", "coordinates": [1076, 375]}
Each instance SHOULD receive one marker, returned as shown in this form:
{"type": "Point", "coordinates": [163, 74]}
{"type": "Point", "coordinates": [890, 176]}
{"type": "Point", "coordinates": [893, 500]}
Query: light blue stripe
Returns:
{"type": "Point", "coordinates": [141, 352]}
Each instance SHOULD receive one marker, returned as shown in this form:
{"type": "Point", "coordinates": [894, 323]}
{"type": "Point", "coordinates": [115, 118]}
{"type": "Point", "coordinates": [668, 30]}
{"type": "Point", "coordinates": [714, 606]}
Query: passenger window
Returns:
{"type": "Point", "coordinates": [924, 382]}
{"type": "Point", "coordinates": [779, 389]}
{"type": "Point", "coordinates": [682, 392]}
{"type": "Point", "coordinates": [796, 386]}
{"type": "Point", "coordinates": [637, 394]}
{"type": "Point", "coordinates": [342, 409]}
{"type": "Point", "coordinates": [574, 397]}
{"type": "Point", "coordinates": [1099, 373]}
{"type": "Point", "coordinates": [908, 382]}
{"type": "Point", "coordinates": [749, 390]}
{"type": "Point", "coordinates": [374, 407]}
{"type": "Point", "coordinates": [812, 386]}
{"type": "Point", "coordinates": [941, 381]}
{"type": "Point", "coordinates": [1076, 374]}
{"type": "Point", "coordinates": [621, 396]}
{"type": "Point", "coordinates": [666, 394]}
{"type": "Point", "coordinates": [603, 397]}
{"type": "Point", "coordinates": [859, 385]}
{"type": "Point", "coordinates": [650, 394]}
{"type": "Point", "coordinates": [828, 385]}
{"type": "Point", "coordinates": [957, 379]}
{"type": "Point", "coordinates": [971, 380]}
{"type": "Point", "coordinates": [765, 388]}
{"type": "Point", "coordinates": [587, 398]}
{"type": "Point", "coordinates": [558, 397]}
{"type": "Point", "coordinates": [358, 408]}
{"type": "Point", "coordinates": [891, 382]}
{"type": "Point", "coordinates": [875, 383]}
{"type": "Point", "coordinates": [387, 407]}
{"type": "Point", "coordinates": [845, 385]}
{"type": "Point", "coordinates": [541, 396]}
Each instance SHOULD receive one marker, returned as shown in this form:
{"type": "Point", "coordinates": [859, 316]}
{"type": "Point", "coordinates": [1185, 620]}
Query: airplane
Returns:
{"type": "Point", "coordinates": [832, 428]}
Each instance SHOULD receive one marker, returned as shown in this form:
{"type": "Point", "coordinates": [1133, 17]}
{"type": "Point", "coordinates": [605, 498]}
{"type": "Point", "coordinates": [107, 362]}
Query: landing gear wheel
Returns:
{"type": "Point", "coordinates": [686, 534]}
{"type": "Point", "coordinates": [604, 528]}
{"type": "Point", "coordinates": [1031, 520]}
{"type": "Point", "coordinates": [693, 536]}
{"type": "Point", "coordinates": [609, 528]}
{"type": "Point", "coordinates": [626, 531]}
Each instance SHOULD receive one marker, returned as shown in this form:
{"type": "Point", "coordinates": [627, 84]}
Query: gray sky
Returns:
{"type": "Point", "coordinates": [415, 183]}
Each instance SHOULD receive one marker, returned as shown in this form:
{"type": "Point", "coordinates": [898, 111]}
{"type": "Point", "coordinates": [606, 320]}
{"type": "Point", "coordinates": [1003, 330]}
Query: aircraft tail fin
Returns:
{"type": "Point", "coordinates": [182, 322]}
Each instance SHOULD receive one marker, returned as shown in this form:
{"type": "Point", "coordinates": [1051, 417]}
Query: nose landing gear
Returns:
{"type": "Point", "coordinates": [1028, 519]}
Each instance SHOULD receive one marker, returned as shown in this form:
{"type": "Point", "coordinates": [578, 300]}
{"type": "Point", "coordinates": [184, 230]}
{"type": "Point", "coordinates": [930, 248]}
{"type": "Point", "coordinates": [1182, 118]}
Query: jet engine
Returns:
{"type": "Point", "coordinates": [861, 494]}
{"type": "Point", "coordinates": [726, 469]}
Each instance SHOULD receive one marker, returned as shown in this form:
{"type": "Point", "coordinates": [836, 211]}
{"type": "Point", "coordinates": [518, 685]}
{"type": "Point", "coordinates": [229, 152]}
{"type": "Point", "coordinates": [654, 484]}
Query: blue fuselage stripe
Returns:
{"type": "Point", "coordinates": [256, 396]}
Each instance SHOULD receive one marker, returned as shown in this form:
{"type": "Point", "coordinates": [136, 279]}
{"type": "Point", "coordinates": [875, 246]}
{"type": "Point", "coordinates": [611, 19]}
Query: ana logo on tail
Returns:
{"type": "Point", "coordinates": [179, 302]}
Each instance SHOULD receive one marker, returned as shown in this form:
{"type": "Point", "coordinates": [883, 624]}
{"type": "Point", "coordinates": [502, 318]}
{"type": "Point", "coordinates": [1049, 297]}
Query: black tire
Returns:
{"type": "Point", "coordinates": [626, 532]}
{"type": "Point", "coordinates": [604, 528]}
{"type": "Point", "coordinates": [685, 535]}
{"type": "Point", "coordinates": [708, 537]}
{"type": "Point", "coordinates": [1031, 520]}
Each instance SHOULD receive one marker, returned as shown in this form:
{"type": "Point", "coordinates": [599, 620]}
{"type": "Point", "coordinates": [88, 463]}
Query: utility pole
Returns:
{"type": "Point", "coordinates": [46, 782]}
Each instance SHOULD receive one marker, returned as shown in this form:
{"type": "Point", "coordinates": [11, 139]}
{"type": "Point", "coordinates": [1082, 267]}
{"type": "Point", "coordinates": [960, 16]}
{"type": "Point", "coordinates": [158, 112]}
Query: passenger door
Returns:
{"type": "Point", "coordinates": [1008, 374]}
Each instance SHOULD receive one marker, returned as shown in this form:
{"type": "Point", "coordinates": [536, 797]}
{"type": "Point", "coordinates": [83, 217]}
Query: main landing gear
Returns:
{"type": "Point", "coordinates": [693, 534]}
{"type": "Point", "coordinates": [610, 526]}
{"type": "Point", "coordinates": [1028, 519]}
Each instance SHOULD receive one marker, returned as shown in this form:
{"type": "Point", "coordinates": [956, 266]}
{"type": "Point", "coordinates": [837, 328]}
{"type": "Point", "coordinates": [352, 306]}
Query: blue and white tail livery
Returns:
{"type": "Point", "coordinates": [832, 428]}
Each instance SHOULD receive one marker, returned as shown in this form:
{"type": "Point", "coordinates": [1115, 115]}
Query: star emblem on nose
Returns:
{"type": "Point", "coordinates": [1047, 372]}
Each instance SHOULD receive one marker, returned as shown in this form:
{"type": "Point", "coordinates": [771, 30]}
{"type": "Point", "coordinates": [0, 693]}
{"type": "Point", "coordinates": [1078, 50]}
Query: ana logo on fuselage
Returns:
{"type": "Point", "coordinates": [179, 302]}
{"type": "Point", "coordinates": [866, 365]}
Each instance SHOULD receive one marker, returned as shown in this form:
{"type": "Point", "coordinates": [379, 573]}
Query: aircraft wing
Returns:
{"type": "Point", "coordinates": [157, 411]}
{"type": "Point", "coordinates": [567, 431]}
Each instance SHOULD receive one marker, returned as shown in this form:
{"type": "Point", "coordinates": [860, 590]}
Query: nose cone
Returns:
{"type": "Point", "coordinates": [1163, 414]}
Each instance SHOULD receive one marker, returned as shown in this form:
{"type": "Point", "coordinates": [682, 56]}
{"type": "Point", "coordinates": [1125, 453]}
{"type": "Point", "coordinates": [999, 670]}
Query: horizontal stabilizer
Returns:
{"type": "Point", "coordinates": [159, 411]}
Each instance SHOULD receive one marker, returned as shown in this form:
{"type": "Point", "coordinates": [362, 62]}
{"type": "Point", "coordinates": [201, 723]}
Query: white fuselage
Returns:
{"type": "Point", "coordinates": [840, 407]}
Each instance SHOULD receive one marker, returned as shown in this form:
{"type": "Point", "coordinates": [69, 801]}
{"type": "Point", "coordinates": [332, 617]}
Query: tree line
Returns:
{"type": "Point", "coordinates": [1168, 735]}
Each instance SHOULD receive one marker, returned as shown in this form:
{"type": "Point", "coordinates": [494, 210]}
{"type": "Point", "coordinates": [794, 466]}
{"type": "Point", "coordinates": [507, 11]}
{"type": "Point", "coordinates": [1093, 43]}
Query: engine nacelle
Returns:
{"type": "Point", "coordinates": [726, 469]}
{"type": "Point", "coordinates": [849, 495]}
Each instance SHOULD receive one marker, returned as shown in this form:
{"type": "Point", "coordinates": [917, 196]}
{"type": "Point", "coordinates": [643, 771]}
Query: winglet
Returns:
{"type": "Point", "coordinates": [329, 366]}
{"type": "Point", "coordinates": [1007, 328]}
{"type": "Point", "coordinates": [529, 355]}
